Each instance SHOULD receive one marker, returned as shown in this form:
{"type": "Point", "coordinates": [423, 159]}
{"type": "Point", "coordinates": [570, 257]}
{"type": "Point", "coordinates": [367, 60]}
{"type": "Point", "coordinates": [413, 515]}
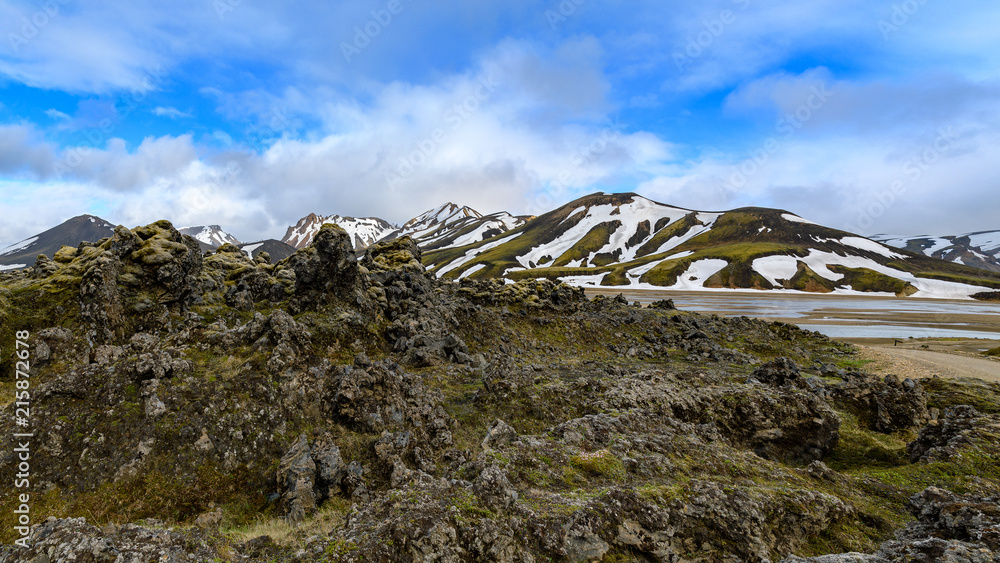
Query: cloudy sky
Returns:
{"type": "Point", "coordinates": [870, 116]}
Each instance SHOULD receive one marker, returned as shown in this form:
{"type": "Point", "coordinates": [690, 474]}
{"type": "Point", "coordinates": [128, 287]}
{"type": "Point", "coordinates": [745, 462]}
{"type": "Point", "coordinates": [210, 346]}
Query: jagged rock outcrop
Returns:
{"type": "Point", "coordinates": [422, 325]}
{"type": "Point", "coordinates": [541, 293]}
{"type": "Point", "coordinates": [784, 423]}
{"type": "Point", "coordinates": [884, 405]}
{"type": "Point", "coordinates": [380, 396]}
{"type": "Point", "coordinates": [326, 272]}
{"type": "Point", "coordinates": [781, 371]}
{"type": "Point", "coordinates": [131, 280]}
{"type": "Point", "coordinates": [73, 539]}
{"type": "Point", "coordinates": [309, 474]}
{"type": "Point", "coordinates": [958, 427]}
{"type": "Point", "coordinates": [949, 528]}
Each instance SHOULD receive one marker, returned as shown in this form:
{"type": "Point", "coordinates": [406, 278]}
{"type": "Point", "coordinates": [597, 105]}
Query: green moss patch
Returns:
{"type": "Point", "coordinates": [595, 239]}
{"type": "Point", "coordinates": [863, 279]}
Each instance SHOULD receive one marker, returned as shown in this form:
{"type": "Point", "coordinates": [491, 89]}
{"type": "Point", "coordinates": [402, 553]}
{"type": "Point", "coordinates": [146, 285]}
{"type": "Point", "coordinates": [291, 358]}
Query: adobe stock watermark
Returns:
{"type": "Point", "coordinates": [365, 34]}
{"type": "Point", "coordinates": [223, 7]}
{"type": "Point", "coordinates": [31, 26]}
{"type": "Point", "coordinates": [786, 128]}
{"type": "Point", "coordinates": [454, 117]}
{"type": "Point", "coordinates": [22, 437]}
{"type": "Point", "coordinates": [562, 12]}
{"type": "Point", "coordinates": [698, 44]}
{"type": "Point", "coordinates": [555, 191]}
{"type": "Point", "coordinates": [912, 170]}
{"type": "Point", "coordinates": [901, 14]}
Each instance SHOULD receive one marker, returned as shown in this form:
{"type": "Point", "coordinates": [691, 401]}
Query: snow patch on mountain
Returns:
{"type": "Point", "coordinates": [212, 235]}
{"type": "Point", "coordinates": [364, 231]}
{"type": "Point", "coordinates": [698, 273]}
{"type": "Point", "coordinates": [870, 246]}
{"type": "Point", "coordinates": [250, 248]}
{"type": "Point", "coordinates": [796, 219]}
{"type": "Point", "coordinates": [19, 246]}
{"type": "Point", "coordinates": [471, 254]}
{"type": "Point", "coordinates": [472, 270]}
{"type": "Point", "coordinates": [775, 268]}
{"type": "Point", "coordinates": [631, 215]}
{"type": "Point", "coordinates": [427, 223]}
{"type": "Point", "coordinates": [484, 225]}
{"type": "Point", "coordinates": [987, 242]}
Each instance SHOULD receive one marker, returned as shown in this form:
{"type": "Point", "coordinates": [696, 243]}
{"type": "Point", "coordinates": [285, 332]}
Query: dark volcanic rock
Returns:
{"type": "Point", "coordinates": [326, 271]}
{"type": "Point", "coordinates": [297, 481]}
{"type": "Point", "coordinates": [142, 274]}
{"type": "Point", "coordinates": [308, 475]}
{"type": "Point", "coordinates": [72, 539]}
{"type": "Point", "coordinates": [381, 396]}
{"type": "Point", "coordinates": [883, 405]}
{"type": "Point", "coordinates": [941, 440]}
{"type": "Point", "coordinates": [949, 529]}
{"type": "Point", "coordinates": [541, 293]}
{"type": "Point", "coordinates": [781, 371]}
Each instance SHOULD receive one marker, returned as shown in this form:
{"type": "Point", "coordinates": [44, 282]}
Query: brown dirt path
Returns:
{"type": "Point", "coordinates": [908, 362]}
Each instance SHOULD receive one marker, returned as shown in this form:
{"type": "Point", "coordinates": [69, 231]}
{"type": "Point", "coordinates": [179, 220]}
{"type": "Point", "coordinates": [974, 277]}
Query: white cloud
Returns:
{"type": "Point", "coordinates": [490, 138]}
{"type": "Point", "coordinates": [864, 186]}
{"type": "Point", "coordinates": [327, 137]}
{"type": "Point", "coordinates": [58, 115]}
{"type": "Point", "coordinates": [171, 112]}
{"type": "Point", "coordinates": [23, 150]}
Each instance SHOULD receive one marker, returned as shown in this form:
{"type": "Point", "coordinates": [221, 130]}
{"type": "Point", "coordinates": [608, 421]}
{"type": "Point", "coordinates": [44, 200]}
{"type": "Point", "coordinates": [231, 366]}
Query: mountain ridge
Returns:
{"type": "Point", "coordinates": [980, 249]}
{"type": "Point", "coordinates": [626, 240]}
{"type": "Point", "coordinates": [71, 232]}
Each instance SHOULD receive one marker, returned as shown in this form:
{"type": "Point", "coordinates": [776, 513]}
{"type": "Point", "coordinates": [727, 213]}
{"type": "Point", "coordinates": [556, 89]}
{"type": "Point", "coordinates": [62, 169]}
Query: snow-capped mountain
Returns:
{"type": "Point", "coordinates": [70, 233]}
{"type": "Point", "coordinates": [447, 225]}
{"type": "Point", "coordinates": [628, 240]}
{"type": "Point", "coordinates": [212, 235]}
{"type": "Point", "coordinates": [469, 230]}
{"type": "Point", "coordinates": [276, 249]}
{"type": "Point", "coordinates": [435, 222]}
{"type": "Point", "coordinates": [981, 250]}
{"type": "Point", "coordinates": [450, 225]}
{"type": "Point", "coordinates": [364, 231]}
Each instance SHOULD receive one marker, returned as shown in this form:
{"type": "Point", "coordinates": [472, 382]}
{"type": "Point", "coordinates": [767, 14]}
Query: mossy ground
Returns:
{"type": "Point", "coordinates": [873, 474]}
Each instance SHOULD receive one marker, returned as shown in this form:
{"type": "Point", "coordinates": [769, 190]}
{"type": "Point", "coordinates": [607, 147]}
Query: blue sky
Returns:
{"type": "Point", "coordinates": [870, 116]}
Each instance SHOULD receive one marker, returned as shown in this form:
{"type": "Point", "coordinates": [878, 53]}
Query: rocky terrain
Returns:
{"type": "Point", "coordinates": [191, 407]}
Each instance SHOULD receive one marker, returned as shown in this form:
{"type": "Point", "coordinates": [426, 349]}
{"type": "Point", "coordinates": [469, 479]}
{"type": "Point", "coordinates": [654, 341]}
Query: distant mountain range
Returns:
{"type": "Point", "coordinates": [212, 236]}
{"type": "Point", "coordinates": [91, 229]}
{"type": "Point", "coordinates": [981, 250]}
{"type": "Point", "coordinates": [364, 232]}
{"type": "Point", "coordinates": [626, 240]}
{"type": "Point", "coordinates": [71, 233]}
{"type": "Point", "coordinates": [447, 225]}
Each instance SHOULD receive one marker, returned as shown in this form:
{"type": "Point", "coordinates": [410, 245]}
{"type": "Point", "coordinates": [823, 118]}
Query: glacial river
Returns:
{"type": "Point", "coordinates": [843, 316]}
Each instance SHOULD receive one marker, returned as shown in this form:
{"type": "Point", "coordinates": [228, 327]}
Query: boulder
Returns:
{"type": "Point", "coordinates": [297, 481]}
{"type": "Point", "coordinates": [884, 405]}
{"type": "Point", "coordinates": [326, 271]}
{"type": "Point", "coordinates": [779, 372]}
{"type": "Point", "coordinates": [941, 440]}
{"type": "Point", "coordinates": [497, 434]}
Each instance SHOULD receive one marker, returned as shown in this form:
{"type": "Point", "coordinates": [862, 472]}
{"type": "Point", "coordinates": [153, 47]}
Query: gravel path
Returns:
{"type": "Point", "coordinates": [906, 362]}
